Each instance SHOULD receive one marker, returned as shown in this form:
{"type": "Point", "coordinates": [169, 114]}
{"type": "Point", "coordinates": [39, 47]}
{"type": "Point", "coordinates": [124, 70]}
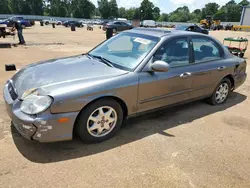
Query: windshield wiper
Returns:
{"type": "Point", "coordinates": [104, 60]}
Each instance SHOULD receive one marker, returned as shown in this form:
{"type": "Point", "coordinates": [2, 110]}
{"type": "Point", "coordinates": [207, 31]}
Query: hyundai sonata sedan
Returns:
{"type": "Point", "coordinates": [133, 72]}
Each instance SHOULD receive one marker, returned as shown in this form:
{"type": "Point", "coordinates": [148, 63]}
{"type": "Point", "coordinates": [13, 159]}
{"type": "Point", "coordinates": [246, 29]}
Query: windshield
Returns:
{"type": "Point", "coordinates": [181, 27]}
{"type": "Point", "coordinates": [125, 50]}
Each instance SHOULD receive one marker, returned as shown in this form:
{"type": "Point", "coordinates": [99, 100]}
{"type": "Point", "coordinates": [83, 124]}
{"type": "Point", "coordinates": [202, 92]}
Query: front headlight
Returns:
{"type": "Point", "coordinates": [34, 104]}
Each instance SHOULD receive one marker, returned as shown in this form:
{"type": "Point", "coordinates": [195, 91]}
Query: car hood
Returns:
{"type": "Point", "coordinates": [58, 71]}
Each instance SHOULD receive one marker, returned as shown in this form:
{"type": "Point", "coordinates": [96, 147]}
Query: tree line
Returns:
{"type": "Point", "coordinates": [108, 9]}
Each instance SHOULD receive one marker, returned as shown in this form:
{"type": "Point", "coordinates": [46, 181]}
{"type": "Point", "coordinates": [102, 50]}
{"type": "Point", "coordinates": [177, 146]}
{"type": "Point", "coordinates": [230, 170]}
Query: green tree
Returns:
{"type": "Point", "coordinates": [104, 8]}
{"type": "Point", "coordinates": [146, 10]}
{"type": "Point", "coordinates": [195, 16]}
{"type": "Point", "coordinates": [59, 8]}
{"type": "Point", "coordinates": [83, 8]}
{"type": "Point", "coordinates": [181, 14]}
{"type": "Point", "coordinates": [4, 8]}
{"type": "Point", "coordinates": [156, 13]}
{"type": "Point", "coordinates": [163, 17]}
{"type": "Point", "coordinates": [244, 3]}
{"type": "Point", "coordinates": [130, 13]}
{"type": "Point", "coordinates": [197, 11]}
{"type": "Point", "coordinates": [210, 9]}
{"type": "Point", "coordinates": [14, 6]}
{"type": "Point", "coordinates": [122, 12]}
{"type": "Point", "coordinates": [113, 8]}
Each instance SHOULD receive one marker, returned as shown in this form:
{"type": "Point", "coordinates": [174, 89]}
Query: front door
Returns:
{"type": "Point", "coordinates": [157, 89]}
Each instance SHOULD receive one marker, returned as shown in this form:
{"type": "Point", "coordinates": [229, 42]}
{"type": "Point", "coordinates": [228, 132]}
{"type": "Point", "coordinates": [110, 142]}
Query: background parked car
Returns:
{"type": "Point", "coordinates": [193, 28]}
{"type": "Point", "coordinates": [51, 21]}
{"type": "Point", "coordinates": [24, 23]}
{"type": "Point", "coordinates": [149, 23]}
{"type": "Point", "coordinates": [117, 26]}
{"type": "Point", "coordinates": [71, 22]}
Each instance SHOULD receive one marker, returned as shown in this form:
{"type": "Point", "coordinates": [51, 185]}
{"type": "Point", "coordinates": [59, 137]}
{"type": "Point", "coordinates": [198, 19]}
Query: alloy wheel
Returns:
{"type": "Point", "coordinates": [221, 93]}
{"type": "Point", "coordinates": [102, 121]}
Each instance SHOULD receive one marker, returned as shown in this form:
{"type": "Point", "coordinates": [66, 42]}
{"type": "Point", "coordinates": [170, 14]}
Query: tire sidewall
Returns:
{"type": "Point", "coordinates": [225, 80]}
{"type": "Point", "coordinates": [81, 124]}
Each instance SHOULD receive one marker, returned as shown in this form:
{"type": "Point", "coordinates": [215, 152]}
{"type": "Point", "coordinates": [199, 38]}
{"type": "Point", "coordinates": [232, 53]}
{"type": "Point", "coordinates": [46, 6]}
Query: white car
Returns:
{"type": "Point", "coordinates": [51, 21]}
{"type": "Point", "coordinates": [149, 23]}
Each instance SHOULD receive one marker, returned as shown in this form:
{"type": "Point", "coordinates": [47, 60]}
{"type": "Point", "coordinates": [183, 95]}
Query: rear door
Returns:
{"type": "Point", "coordinates": [208, 66]}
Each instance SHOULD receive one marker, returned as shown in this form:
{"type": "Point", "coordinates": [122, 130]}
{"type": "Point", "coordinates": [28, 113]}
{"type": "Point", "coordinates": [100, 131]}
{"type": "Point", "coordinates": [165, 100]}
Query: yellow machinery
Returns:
{"type": "Point", "coordinates": [208, 22]}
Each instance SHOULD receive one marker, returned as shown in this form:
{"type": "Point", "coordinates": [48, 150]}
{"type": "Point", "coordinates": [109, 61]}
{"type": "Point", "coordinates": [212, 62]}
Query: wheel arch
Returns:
{"type": "Point", "coordinates": [117, 99]}
{"type": "Point", "coordinates": [230, 77]}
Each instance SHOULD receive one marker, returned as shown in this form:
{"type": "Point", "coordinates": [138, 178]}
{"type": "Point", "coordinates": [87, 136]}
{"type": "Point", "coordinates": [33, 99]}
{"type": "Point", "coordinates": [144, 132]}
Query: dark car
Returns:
{"type": "Point", "coordinates": [193, 28]}
{"type": "Point", "coordinates": [136, 71]}
{"type": "Point", "coordinates": [24, 23]}
{"type": "Point", "coordinates": [117, 26]}
{"type": "Point", "coordinates": [71, 22]}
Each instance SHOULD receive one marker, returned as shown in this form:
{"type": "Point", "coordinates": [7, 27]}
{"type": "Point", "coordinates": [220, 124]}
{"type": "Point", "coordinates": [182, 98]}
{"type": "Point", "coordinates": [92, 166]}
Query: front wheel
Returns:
{"type": "Point", "coordinates": [99, 121]}
{"type": "Point", "coordinates": [221, 92]}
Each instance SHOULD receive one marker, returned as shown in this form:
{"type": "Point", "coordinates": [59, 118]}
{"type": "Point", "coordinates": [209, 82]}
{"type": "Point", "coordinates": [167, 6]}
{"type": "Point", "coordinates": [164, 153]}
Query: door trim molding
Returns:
{"type": "Point", "coordinates": [164, 96]}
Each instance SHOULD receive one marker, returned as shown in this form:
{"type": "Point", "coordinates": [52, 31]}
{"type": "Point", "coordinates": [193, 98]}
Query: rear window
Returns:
{"type": "Point", "coordinates": [205, 50]}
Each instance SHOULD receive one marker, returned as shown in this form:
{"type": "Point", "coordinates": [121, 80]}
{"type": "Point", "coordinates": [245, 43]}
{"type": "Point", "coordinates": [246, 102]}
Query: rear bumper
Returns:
{"type": "Point", "coordinates": [239, 79]}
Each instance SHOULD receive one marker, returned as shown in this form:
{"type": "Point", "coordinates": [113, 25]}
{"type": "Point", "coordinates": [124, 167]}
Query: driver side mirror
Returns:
{"type": "Point", "coordinates": [160, 66]}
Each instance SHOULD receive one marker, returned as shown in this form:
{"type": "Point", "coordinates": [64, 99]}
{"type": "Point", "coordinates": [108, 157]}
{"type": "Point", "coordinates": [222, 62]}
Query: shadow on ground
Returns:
{"type": "Point", "coordinates": [5, 45]}
{"type": "Point", "coordinates": [135, 129]}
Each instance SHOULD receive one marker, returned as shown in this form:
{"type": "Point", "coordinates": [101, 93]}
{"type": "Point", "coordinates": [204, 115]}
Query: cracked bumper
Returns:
{"type": "Point", "coordinates": [43, 127]}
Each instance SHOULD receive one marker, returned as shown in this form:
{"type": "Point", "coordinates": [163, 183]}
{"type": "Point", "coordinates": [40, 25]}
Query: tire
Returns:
{"type": "Point", "coordinates": [241, 55]}
{"type": "Point", "coordinates": [204, 26]}
{"type": "Point", "coordinates": [214, 98]}
{"type": "Point", "coordinates": [46, 23]}
{"type": "Point", "coordinates": [23, 26]}
{"type": "Point", "coordinates": [114, 30]}
{"type": "Point", "coordinates": [84, 122]}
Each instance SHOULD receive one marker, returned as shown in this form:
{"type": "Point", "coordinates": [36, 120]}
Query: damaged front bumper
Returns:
{"type": "Point", "coordinates": [43, 127]}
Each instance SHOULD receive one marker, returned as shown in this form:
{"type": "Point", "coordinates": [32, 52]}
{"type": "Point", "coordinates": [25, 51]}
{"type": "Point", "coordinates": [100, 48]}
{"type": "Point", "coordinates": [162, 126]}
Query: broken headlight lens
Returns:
{"type": "Point", "coordinates": [35, 104]}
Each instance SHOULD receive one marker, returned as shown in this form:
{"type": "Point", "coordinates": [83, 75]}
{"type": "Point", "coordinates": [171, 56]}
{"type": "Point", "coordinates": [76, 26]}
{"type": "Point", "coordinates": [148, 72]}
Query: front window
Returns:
{"type": "Point", "coordinates": [126, 50]}
{"type": "Point", "coordinates": [174, 52]}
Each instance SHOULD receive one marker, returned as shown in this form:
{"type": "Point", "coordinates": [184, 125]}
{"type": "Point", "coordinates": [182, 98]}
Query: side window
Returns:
{"type": "Point", "coordinates": [174, 52]}
{"type": "Point", "coordinates": [205, 50]}
{"type": "Point", "coordinates": [117, 23]}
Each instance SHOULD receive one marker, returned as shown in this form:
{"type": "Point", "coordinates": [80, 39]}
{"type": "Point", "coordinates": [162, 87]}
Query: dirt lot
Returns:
{"type": "Point", "coordinates": [195, 145]}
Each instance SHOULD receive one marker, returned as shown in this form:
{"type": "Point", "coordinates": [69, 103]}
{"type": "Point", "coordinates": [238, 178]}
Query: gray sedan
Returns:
{"type": "Point", "coordinates": [133, 72]}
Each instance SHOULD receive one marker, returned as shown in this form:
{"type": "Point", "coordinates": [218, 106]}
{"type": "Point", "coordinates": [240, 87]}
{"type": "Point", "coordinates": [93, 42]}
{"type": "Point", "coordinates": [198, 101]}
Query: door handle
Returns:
{"type": "Point", "coordinates": [221, 68]}
{"type": "Point", "coordinates": [185, 75]}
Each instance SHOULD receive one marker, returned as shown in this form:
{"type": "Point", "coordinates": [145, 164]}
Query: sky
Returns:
{"type": "Point", "coordinates": [167, 6]}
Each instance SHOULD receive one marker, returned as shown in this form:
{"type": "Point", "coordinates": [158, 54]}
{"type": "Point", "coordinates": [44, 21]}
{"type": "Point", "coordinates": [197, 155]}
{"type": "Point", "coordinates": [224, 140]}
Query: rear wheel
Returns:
{"type": "Point", "coordinates": [99, 121]}
{"type": "Point", "coordinates": [46, 23]}
{"type": "Point", "coordinates": [221, 92]}
{"type": "Point", "coordinates": [241, 55]}
{"type": "Point", "coordinates": [204, 26]}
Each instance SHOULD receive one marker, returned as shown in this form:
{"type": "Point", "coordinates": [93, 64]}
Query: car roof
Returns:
{"type": "Point", "coordinates": [158, 32]}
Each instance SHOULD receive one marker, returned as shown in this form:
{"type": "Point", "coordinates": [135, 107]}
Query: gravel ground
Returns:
{"type": "Point", "coordinates": [194, 145]}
